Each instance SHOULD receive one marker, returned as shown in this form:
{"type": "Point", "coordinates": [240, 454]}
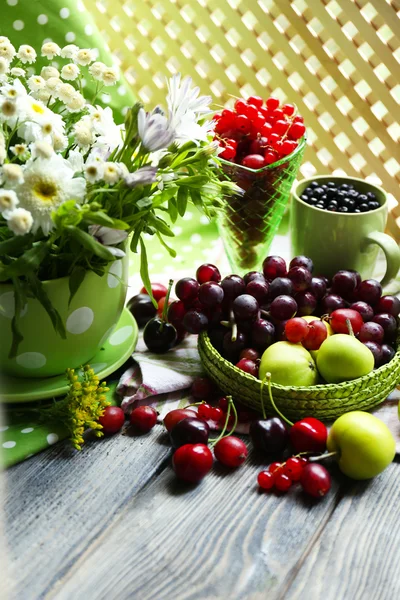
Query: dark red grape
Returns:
{"type": "Point", "coordinates": [233, 286]}
{"type": "Point", "coordinates": [376, 350]}
{"type": "Point", "coordinates": [306, 303]}
{"type": "Point", "coordinates": [269, 436]}
{"type": "Point", "coordinates": [211, 293]}
{"type": "Point", "coordinates": [300, 277]}
{"type": "Point", "coordinates": [387, 353]}
{"type": "Point", "coordinates": [187, 289]}
{"type": "Point", "coordinates": [232, 350]}
{"type": "Point", "coordinates": [280, 335]}
{"type": "Point", "coordinates": [195, 321]}
{"type": "Point", "coordinates": [281, 286]}
{"type": "Point", "coordinates": [258, 289]}
{"type": "Point", "coordinates": [176, 312]}
{"type": "Point", "coordinates": [142, 309]}
{"type": "Point", "coordinates": [274, 266]}
{"type": "Point", "coordinates": [318, 287]}
{"type": "Point", "coordinates": [251, 275]}
{"type": "Point", "coordinates": [389, 324]}
{"type": "Point", "coordinates": [332, 302]}
{"type": "Point", "coordinates": [245, 307]}
{"type": "Point", "coordinates": [369, 291]}
{"type": "Point", "coordinates": [248, 366]}
{"type": "Point", "coordinates": [371, 332]}
{"type": "Point", "coordinates": [189, 431]}
{"type": "Point", "coordinates": [315, 480]}
{"type": "Point", "coordinates": [262, 334]}
{"type": "Point", "coordinates": [357, 276]}
{"type": "Point", "coordinates": [250, 353]}
{"type": "Point", "coordinates": [283, 307]}
{"type": "Point", "coordinates": [302, 261]}
{"type": "Point", "coordinates": [388, 304]}
{"type": "Point", "coordinates": [344, 284]}
{"type": "Point", "coordinates": [208, 272]}
{"type": "Point", "coordinates": [365, 310]}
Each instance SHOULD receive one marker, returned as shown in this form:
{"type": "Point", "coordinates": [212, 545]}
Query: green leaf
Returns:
{"type": "Point", "coordinates": [144, 271]}
{"type": "Point", "coordinates": [15, 244]}
{"type": "Point", "coordinates": [170, 250]}
{"type": "Point", "coordinates": [145, 202]}
{"type": "Point", "coordinates": [98, 218]}
{"type": "Point", "coordinates": [136, 235]}
{"type": "Point", "coordinates": [89, 242]}
{"type": "Point", "coordinates": [182, 200]}
{"type": "Point", "coordinates": [193, 180]}
{"type": "Point", "coordinates": [173, 209]}
{"type": "Point", "coordinates": [75, 279]}
{"type": "Point", "coordinates": [27, 263]}
{"type": "Point", "coordinates": [19, 300]}
{"type": "Point", "coordinates": [160, 225]}
{"type": "Point", "coordinates": [41, 295]}
{"type": "Point", "coordinates": [196, 198]}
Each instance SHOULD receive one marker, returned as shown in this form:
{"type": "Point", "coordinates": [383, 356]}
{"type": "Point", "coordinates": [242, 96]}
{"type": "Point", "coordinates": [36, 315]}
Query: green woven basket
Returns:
{"type": "Point", "coordinates": [325, 402]}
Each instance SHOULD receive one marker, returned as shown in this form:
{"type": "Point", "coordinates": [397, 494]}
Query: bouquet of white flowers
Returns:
{"type": "Point", "coordinates": [74, 184]}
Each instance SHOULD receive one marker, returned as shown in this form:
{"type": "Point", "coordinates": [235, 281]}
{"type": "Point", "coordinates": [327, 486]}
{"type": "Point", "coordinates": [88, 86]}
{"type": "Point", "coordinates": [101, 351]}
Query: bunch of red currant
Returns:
{"type": "Point", "coordinates": [255, 134]}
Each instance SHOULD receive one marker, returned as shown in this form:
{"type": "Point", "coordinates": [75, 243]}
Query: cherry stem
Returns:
{"type": "Point", "coordinates": [349, 327]}
{"type": "Point", "coordinates": [231, 404]}
{"type": "Point", "coordinates": [194, 404]}
{"type": "Point", "coordinates": [233, 325]}
{"type": "Point", "coordinates": [265, 313]}
{"type": "Point", "coordinates": [268, 378]}
{"type": "Point", "coordinates": [165, 307]}
{"type": "Point", "coordinates": [322, 456]}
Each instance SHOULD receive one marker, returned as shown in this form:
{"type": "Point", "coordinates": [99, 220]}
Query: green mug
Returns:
{"type": "Point", "coordinates": [337, 241]}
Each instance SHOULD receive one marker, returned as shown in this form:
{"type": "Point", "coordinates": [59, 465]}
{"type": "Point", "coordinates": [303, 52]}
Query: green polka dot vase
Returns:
{"type": "Point", "coordinates": [89, 321]}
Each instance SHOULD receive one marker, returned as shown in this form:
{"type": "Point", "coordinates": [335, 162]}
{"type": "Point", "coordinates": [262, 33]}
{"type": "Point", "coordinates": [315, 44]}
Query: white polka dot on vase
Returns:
{"type": "Point", "coordinates": [9, 444]}
{"type": "Point", "coordinates": [80, 6]}
{"type": "Point", "coordinates": [177, 230]}
{"type": "Point", "coordinates": [121, 90]}
{"type": "Point", "coordinates": [27, 430]}
{"type": "Point", "coordinates": [80, 320]}
{"type": "Point", "coordinates": [18, 25]}
{"type": "Point", "coordinates": [70, 36]}
{"type": "Point", "coordinates": [4, 428]}
{"type": "Point", "coordinates": [7, 306]}
{"type": "Point", "coordinates": [52, 438]}
{"type": "Point", "coordinates": [42, 19]}
{"type": "Point", "coordinates": [64, 13]}
{"type": "Point", "coordinates": [158, 256]}
{"type": "Point", "coordinates": [114, 274]}
{"type": "Point", "coordinates": [106, 98]}
{"type": "Point", "coordinates": [88, 29]}
{"type": "Point", "coordinates": [12, 2]}
{"type": "Point", "coordinates": [195, 238]}
{"type": "Point", "coordinates": [187, 248]}
{"type": "Point", "coordinates": [204, 220]}
{"type": "Point", "coordinates": [206, 252]}
{"type": "Point", "coordinates": [31, 360]}
{"type": "Point", "coordinates": [106, 336]}
{"type": "Point", "coordinates": [97, 367]}
{"type": "Point", "coordinates": [187, 216]}
{"type": "Point", "coordinates": [121, 335]}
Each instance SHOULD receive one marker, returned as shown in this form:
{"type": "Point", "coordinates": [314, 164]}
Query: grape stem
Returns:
{"type": "Point", "coordinates": [265, 313]}
{"type": "Point", "coordinates": [267, 378]}
{"type": "Point", "coordinates": [322, 457]}
{"type": "Point", "coordinates": [233, 325]}
{"type": "Point", "coordinates": [228, 412]}
{"type": "Point", "coordinates": [349, 327]}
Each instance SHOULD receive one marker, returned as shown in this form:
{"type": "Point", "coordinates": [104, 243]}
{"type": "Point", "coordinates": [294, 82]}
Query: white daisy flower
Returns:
{"type": "Point", "coordinates": [3, 150]}
{"type": "Point", "coordinates": [60, 141]}
{"type": "Point", "coordinates": [4, 66]}
{"type": "Point", "coordinates": [36, 82]}
{"type": "Point", "coordinates": [48, 184]}
{"type": "Point", "coordinates": [38, 121]}
{"type": "Point", "coordinates": [69, 51]}
{"type": "Point", "coordinates": [154, 130]}
{"type": "Point", "coordinates": [66, 92]}
{"type": "Point", "coordinates": [20, 150]}
{"type": "Point", "coordinates": [50, 50]}
{"type": "Point", "coordinates": [76, 103]}
{"type": "Point", "coordinates": [7, 50]}
{"type": "Point", "coordinates": [41, 149]}
{"type": "Point", "coordinates": [52, 85]}
{"type": "Point", "coordinates": [3, 38]}
{"type": "Point", "coordinates": [26, 54]}
{"type": "Point", "coordinates": [8, 201]}
{"type": "Point", "coordinates": [96, 70]}
{"type": "Point", "coordinates": [94, 171]}
{"type": "Point", "coordinates": [8, 110]}
{"type": "Point", "coordinates": [17, 72]}
{"type": "Point", "coordinates": [109, 76]}
{"type": "Point", "coordinates": [14, 91]}
{"type": "Point", "coordinates": [102, 121]}
{"type": "Point", "coordinates": [70, 72]}
{"type": "Point", "coordinates": [111, 173]}
{"type": "Point", "coordinates": [12, 174]}
{"type": "Point", "coordinates": [43, 95]}
{"type": "Point", "coordinates": [49, 72]}
{"type": "Point", "coordinates": [20, 221]}
{"type": "Point", "coordinates": [85, 56]}
{"type": "Point", "coordinates": [83, 134]}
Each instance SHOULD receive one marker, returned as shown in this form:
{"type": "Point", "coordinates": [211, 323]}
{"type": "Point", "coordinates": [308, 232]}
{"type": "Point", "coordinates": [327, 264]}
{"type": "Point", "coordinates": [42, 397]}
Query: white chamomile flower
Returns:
{"type": "Point", "coordinates": [3, 150]}
{"type": "Point", "coordinates": [43, 95]}
{"type": "Point", "coordinates": [42, 149]}
{"type": "Point", "coordinates": [50, 50]}
{"type": "Point", "coordinates": [48, 72]}
{"type": "Point", "coordinates": [76, 103]}
{"type": "Point", "coordinates": [38, 121]}
{"type": "Point", "coordinates": [69, 51]}
{"type": "Point", "coordinates": [8, 109]}
{"type": "Point", "coordinates": [94, 171]}
{"type": "Point", "coordinates": [102, 121]}
{"type": "Point", "coordinates": [7, 50]}
{"type": "Point", "coordinates": [60, 141]}
{"type": "Point", "coordinates": [52, 85]}
{"type": "Point", "coordinates": [20, 221]}
{"type": "Point", "coordinates": [84, 57]}
{"type": "Point", "coordinates": [8, 200]}
{"type": "Point", "coordinates": [20, 150]}
{"type": "Point", "coordinates": [111, 173]}
{"type": "Point", "coordinates": [65, 92]}
{"type": "Point", "coordinates": [26, 54]}
{"type": "Point", "coordinates": [4, 66]}
{"type": "Point", "coordinates": [14, 91]}
{"type": "Point", "coordinates": [17, 72]}
{"type": "Point", "coordinates": [12, 174]}
{"type": "Point", "coordinates": [96, 70]}
{"type": "Point", "coordinates": [83, 134]}
{"type": "Point", "coordinates": [109, 76]}
{"type": "Point", "coordinates": [48, 184]}
{"type": "Point", "coordinates": [70, 72]}
{"type": "Point", "coordinates": [36, 82]}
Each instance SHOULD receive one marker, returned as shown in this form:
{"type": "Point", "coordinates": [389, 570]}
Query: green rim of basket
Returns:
{"type": "Point", "coordinates": [323, 401]}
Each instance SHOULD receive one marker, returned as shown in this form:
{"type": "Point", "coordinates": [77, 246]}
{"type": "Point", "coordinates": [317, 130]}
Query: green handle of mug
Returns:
{"type": "Point", "coordinates": [391, 250]}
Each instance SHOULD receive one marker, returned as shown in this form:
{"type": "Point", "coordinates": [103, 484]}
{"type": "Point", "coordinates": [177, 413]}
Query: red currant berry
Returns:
{"type": "Point", "coordinates": [296, 330]}
{"type": "Point", "coordinates": [242, 123]}
{"type": "Point", "coordinates": [277, 115]}
{"type": "Point", "coordinates": [266, 130]}
{"type": "Point", "coordinates": [274, 138]}
{"type": "Point", "coordinates": [270, 157]}
{"type": "Point", "coordinates": [303, 460]}
{"type": "Point", "coordinates": [255, 101]}
{"type": "Point", "coordinates": [223, 404]}
{"type": "Point", "coordinates": [158, 290]}
{"type": "Point", "coordinates": [293, 468]}
{"type": "Point", "coordinates": [231, 451]}
{"type": "Point", "coordinates": [223, 126]}
{"type": "Point", "coordinates": [229, 115]}
{"type": "Point", "coordinates": [176, 415]}
{"type": "Point", "coordinates": [240, 106]}
{"type": "Point", "coordinates": [250, 111]}
{"type": "Point", "coordinates": [288, 146]}
{"type": "Point", "coordinates": [216, 413]}
{"type": "Point", "coordinates": [272, 103]}
{"type": "Point", "coordinates": [204, 411]}
{"type": "Point", "coordinates": [228, 153]}
{"type": "Point", "coordinates": [288, 109]}
{"type": "Point", "coordinates": [298, 119]}
{"type": "Point", "coordinates": [315, 480]}
{"type": "Point", "coordinates": [192, 462]}
{"type": "Point", "coordinates": [280, 127]}
{"type": "Point", "coordinates": [231, 142]}
{"type": "Point", "coordinates": [259, 121]}
{"type": "Point", "coordinates": [296, 131]}
{"type": "Point", "coordinates": [112, 420]}
{"type": "Point", "coordinates": [265, 480]}
{"type": "Point", "coordinates": [275, 467]}
{"type": "Point", "coordinates": [143, 418]}
{"type": "Point", "coordinates": [282, 482]}
{"type": "Point", "coordinates": [253, 161]}
{"type": "Point", "coordinates": [278, 146]}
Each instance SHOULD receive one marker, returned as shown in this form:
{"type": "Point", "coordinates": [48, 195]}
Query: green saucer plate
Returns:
{"type": "Point", "coordinates": [115, 351]}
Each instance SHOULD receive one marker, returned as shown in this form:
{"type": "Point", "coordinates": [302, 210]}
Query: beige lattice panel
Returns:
{"type": "Point", "coordinates": [339, 60]}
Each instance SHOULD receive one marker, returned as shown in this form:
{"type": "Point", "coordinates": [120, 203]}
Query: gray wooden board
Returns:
{"type": "Point", "coordinates": [113, 522]}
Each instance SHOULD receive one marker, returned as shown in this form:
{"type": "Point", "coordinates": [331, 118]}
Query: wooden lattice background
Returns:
{"type": "Point", "coordinates": [339, 60]}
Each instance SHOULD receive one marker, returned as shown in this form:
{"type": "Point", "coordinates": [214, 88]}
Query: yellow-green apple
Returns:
{"type": "Point", "coordinates": [343, 357]}
{"type": "Point", "coordinates": [289, 364]}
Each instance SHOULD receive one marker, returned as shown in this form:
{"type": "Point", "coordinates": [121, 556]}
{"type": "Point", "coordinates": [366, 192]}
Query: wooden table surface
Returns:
{"type": "Point", "coordinates": [112, 522]}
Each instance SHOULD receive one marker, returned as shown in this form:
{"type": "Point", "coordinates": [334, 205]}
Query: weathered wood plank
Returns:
{"type": "Point", "coordinates": [59, 501]}
{"type": "Point", "coordinates": [218, 540]}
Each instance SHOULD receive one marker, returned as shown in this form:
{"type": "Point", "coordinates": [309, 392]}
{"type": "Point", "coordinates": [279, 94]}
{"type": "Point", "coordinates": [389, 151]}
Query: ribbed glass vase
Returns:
{"type": "Point", "coordinates": [248, 223]}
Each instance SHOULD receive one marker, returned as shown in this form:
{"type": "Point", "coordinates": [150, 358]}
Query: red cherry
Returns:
{"type": "Point", "coordinates": [242, 123]}
{"type": "Point", "coordinates": [250, 353]}
{"type": "Point", "coordinates": [158, 290]}
{"type": "Point", "coordinates": [231, 451]}
{"type": "Point", "coordinates": [296, 131]}
{"type": "Point", "coordinates": [315, 480]}
{"type": "Point", "coordinates": [288, 109]}
{"type": "Point", "coordinates": [176, 415]}
{"type": "Point", "coordinates": [282, 482]}
{"type": "Point", "coordinates": [341, 315]}
{"type": "Point", "coordinates": [255, 101]}
{"type": "Point", "coordinates": [296, 330]}
{"type": "Point", "coordinates": [266, 480]}
{"type": "Point", "coordinates": [293, 468]}
{"type": "Point", "coordinates": [253, 161]}
{"type": "Point", "coordinates": [192, 462]}
{"type": "Point", "coordinates": [308, 435]}
{"type": "Point", "coordinates": [112, 419]}
{"type": "Point", "coordinates": [248, 366]}
{"type": "Point", "coordinates": [143, 418]}
{"type": "Point", "coordinates": [272, 103]}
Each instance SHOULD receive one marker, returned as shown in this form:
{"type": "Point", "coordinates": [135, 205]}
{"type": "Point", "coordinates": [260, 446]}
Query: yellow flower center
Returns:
{"type": "Point", "coordinates": [45, 191]}
{"type": "Point", "coordinates": [38, 109]}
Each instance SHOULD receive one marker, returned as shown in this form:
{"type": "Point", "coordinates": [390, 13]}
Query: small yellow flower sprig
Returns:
{"type": "Point", "coordinates": [82, 407]}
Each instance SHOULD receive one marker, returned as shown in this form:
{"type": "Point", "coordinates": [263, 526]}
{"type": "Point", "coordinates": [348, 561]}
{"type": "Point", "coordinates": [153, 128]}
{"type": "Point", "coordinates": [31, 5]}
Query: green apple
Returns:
{"type": "Point", "coordinates": [309, 318]}
{"type": "Point", "coordinates": [364, 444]}
{"type": "Point", "coordinates": [343, 357]}
{"type": "Point", "coordinates": [289, 364]}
